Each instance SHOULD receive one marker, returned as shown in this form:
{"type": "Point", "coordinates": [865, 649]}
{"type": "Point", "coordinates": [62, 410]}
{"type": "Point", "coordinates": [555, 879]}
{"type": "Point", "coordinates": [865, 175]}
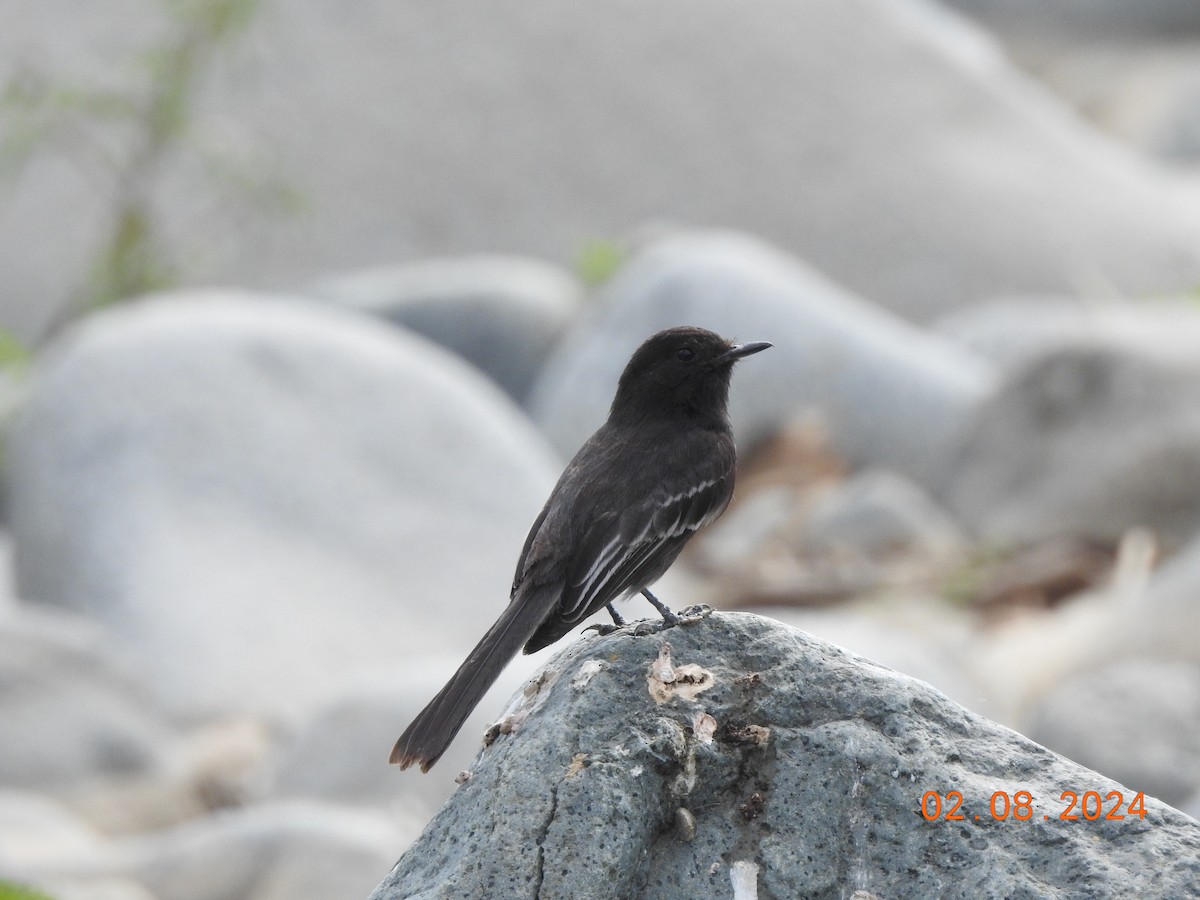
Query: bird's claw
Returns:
{"type": "Point", "coordinates": [604, 629]}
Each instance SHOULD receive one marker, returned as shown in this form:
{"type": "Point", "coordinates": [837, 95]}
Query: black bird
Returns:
{"type": "Point", "coordinates": [659, 470]}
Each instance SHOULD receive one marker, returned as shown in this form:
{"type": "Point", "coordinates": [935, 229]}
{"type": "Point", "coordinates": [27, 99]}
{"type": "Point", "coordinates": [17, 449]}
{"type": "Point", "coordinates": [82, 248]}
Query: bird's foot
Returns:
{"type": "Point", "coordinates": [604, 629]}
{"type": "Point", "coordinates": [643, 627]}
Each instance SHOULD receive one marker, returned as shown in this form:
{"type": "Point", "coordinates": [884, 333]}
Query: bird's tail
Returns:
{"type": "Point", "coordinates": [426, 739]}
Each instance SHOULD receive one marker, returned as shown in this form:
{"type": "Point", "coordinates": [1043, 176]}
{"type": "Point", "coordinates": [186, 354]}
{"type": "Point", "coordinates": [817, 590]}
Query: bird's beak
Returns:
{"type": "Point", "coordinates": [737, 351]}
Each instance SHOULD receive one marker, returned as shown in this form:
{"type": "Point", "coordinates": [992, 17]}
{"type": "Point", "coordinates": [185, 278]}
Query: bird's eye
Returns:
{"type": "Point", "coordinates": [684, 353]}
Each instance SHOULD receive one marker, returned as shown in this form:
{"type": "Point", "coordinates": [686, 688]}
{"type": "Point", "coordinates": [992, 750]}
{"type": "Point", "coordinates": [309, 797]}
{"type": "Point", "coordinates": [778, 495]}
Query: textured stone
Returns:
{"type": "Point", "coordinates": [809, 784]}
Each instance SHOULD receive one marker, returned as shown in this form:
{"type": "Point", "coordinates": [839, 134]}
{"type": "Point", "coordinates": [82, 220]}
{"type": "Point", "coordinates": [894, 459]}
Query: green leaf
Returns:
{"type": "Point", "coordinates": [10, 891]}
{"type": "Point", "coordinates": [12, 353]}
{"type": "Point", "coordinates": [598, 261]}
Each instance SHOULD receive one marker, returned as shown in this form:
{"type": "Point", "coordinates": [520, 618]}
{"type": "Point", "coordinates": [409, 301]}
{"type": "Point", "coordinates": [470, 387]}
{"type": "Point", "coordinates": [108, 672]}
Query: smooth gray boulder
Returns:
{"type": "Point", "coordinates": [1091, 438]}
{"type": "Point", "coordinates": [72, 713]}
{"type": "Point", "coordinates": [264, 498]}
{"type": "Point", "coordinates": [271, 851]}
{"type": "Point", "coordinates": [1087, 19]}
{"type": "Point", "coordinates": [891, 393]}
{"type": "Point", "coordinates": [502, 314]}
{"type": "Point", "coordinates": [890, 143]}
{"type": "Point", "coordinates": [739, 757]}
{"type": "Point", "coordinates": [1156, 700]}
{"type": "Point", "coordinates": [1012, 331]}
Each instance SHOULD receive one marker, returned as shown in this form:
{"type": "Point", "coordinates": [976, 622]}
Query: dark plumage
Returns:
{"type": "Point", "coordinates": [660, 469]}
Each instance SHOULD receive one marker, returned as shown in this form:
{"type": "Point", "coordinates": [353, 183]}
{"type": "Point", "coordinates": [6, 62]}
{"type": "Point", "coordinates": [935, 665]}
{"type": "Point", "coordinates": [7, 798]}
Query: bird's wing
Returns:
{"type": "Point", "coordinates": [627, 552]}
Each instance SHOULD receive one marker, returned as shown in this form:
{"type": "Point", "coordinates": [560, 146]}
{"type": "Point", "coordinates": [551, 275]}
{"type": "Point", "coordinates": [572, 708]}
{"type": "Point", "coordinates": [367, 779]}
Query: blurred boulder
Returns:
{"type": "Point", "coordinates": [1093, 438]}
{"type": "Point", "coordinates": [923, 638]}
{"type": "Point", "coordinates": [501, 314]}
{"type": "Point", "coordinates": [1163, 620]}
{"type": "Point", "coordinates": [1013, 331]}
{"type": "Point", "coordinates": [793, 546]}
{"type": "Point", "coordinates": [1144, 92]}
{"type": "Point", "coordinates": [1088, 18]}
{"type": "Point", "coordinates": [340, 753]}
{"type": "Point", "coordinates": [35, 830]}
{"type": "Point", "coordinates": [68, 887]}
{"type": "Point", "coordinates": [880, 514]}
{"type": "Point", "coordinates": [1136, 721]}
{"type": "Point", "coordinates": [263, 498]}
{"type": "Point", "coordinates": [892, 394]}
{"type": "Point", "coordinates": [73, 714]}
{"type": "Point", "coordinates": [284, 851]}
{"type": "Point", "coordinates": [715, 760]}
{"type": "Point", "coordinates": [281, 851]}
{"type": "Point", "coordinates": [889, 143]}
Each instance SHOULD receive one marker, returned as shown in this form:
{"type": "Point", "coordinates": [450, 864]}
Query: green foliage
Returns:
{"type": "Point", "coordinates": [13, 353]}
{"type": "Point", "coordinates": [126, 138]}
{"type": "Point", "coordinates": [598, 261]}
{"type": "Point", "coordinates": [9, 891]}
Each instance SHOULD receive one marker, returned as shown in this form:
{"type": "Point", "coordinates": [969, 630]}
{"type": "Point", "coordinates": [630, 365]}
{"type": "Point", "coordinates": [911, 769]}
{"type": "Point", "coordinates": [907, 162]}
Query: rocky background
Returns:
{"type": "Point", "coordinates": [249, 531]}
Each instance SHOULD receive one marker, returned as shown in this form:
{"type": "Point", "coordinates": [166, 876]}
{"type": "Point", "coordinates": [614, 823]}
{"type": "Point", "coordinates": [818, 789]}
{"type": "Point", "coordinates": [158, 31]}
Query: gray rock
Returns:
{"type": "Point", "coordinates": [1162, 620]}
{"type": "Point", "coordinates": [265, 498]}
{"type": "Point", "coordinates": [893, 394]}
{"type": "Point", "coordinates": [757, 756]}
{"type": "Point", "coordinates": [340, 753]}
{"type": "Point", "coordinates": [35, 829]}
{"type": "Point", "coordinates": [279, 851]}
{"type": "Point", "coordinates": [912, 633]}
{"type": "Point", "coordinates": [1143, 92]}
{"type": "Point", "coordinates": [880, 513]}
{"type": "Point", "coordinates": [1088, 18]}
{"type": "Point", "coordinates": [1091, 439]}
{"type": "Point", "coordinates": [284, 851]}
{"type": "Point", "coordinates": [889, 143]}
{"type": "Point", "coordinates": [1137, 721]}
{"type": "Point", "coordinates": [501, 314]}
{"type": "Point", "coordinates": [1013, 331]}
{"type": "Point", "coordinates": [68, 887]}
{"type": "Point", "coordinates": [73, 712]}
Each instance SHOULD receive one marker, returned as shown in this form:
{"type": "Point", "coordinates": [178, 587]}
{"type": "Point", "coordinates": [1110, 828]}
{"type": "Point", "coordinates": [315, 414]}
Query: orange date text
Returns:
{"type": "Point", "coordinates": [1022, 806]}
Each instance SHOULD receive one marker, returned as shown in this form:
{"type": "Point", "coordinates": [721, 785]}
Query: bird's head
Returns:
{"type": "Point", "coordinates": [681, 370]}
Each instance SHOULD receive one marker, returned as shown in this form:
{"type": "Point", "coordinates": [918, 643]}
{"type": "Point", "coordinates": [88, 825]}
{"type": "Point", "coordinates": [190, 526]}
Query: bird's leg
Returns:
{"type": "Point", "coordinates": [617, 619]}
{"type": "Point", "coordinates": [670, 620]}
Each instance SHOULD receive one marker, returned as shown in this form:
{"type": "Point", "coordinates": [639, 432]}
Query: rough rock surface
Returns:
{"type": "Point", "coordinates": [893, 394]}
{"type": "Point", "coordinates": [501, 314]}
{"type": "Point", "coordinates": [258, 495]}
{"type": "Point", "coordinates": [750, 756]}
